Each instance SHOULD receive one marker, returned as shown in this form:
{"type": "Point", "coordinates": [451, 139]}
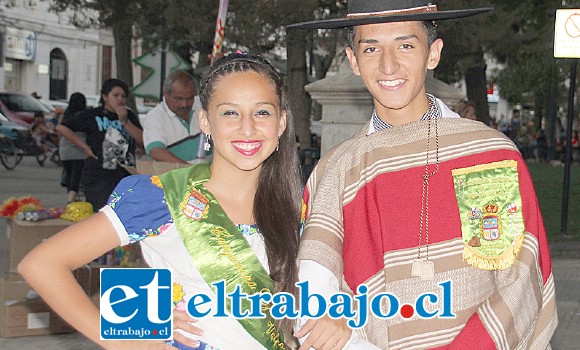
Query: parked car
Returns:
{"type": "Point", "coordinates": [13, 130]}
{"type": "Point", "coordinates": [20, 108]}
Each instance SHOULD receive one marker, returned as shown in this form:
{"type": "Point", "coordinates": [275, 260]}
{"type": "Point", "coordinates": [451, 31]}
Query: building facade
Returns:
{"type": "Point", "coordinates": [43, 53]}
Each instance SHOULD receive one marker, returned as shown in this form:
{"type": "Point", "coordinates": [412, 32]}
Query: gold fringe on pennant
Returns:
{"type": "Point", "coordinates": [500, 262]}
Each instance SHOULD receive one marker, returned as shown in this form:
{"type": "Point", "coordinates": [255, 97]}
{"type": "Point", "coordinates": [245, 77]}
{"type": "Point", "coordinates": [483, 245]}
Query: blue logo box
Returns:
{"type": "Point", "coordinates": [136, 304]}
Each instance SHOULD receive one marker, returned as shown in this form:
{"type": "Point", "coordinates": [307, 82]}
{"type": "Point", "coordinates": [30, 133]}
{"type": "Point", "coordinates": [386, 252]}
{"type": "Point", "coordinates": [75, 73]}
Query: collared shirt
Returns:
{"type": "Point", "coordinates": [433, 112]}
{"type": "Point", "coordinates": [162, 128]}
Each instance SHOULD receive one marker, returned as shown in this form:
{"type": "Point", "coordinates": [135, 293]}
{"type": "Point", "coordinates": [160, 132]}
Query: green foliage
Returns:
{"type": "Point", "coordinates": [464, 40]}
{"type": "Point", "coordinates": [171, 24]}
{"type": "Point", "coordinates": [95, 14]}
{"type": "Point", "coordinates": [548, 183]}
{"type": "Point", "coordinates": [527, 50]}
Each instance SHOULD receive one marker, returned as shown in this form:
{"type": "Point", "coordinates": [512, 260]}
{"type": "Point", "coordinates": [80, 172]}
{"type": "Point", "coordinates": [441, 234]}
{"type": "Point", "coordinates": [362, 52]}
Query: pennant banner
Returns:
{"type": "Point", "coordinates": [220, 27]}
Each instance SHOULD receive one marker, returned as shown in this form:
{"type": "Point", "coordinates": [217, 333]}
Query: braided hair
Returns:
{"type": "Point", "coordinates": [279, 191]}
{"type": "Point", "coordinates": [240, 63]}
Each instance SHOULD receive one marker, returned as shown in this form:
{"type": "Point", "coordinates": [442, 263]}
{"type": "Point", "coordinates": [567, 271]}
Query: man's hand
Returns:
{"type": "Point", "coordinates": [324, 333]}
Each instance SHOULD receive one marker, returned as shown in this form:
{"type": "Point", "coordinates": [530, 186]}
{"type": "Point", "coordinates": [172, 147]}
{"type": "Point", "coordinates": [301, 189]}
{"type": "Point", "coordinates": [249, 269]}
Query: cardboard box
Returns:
{"type": "Point", "coordinates": [31, 317]}
{"type": "Point", "coordinates": [20, 237]}
{"type": "Point", "coordinates": [146, 165]}
{"type": "Point", "coordinates": [23, 312]}
{"type": "Point", "coordinates": [89, 277]}
{"type": "Point", "coordinates": [153, 167]}
{"type": "Point", "coordinates": [12, 292]}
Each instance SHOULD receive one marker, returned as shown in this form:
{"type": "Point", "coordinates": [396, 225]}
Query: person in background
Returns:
{"type": "Point", "coordinates": [112, 133]}
{"type": "Point", "coordinates": [249, 194]}
{"type": "Point", "coordinates": [466, 109]}
{"type": "Point", "coordinates": [72, 156]}
{"type": "Point", "coordinates": [515, 124]}
{"type": "Point", "coordinates": [575, 146]}
{"type": "Point", "coordinates": [420, 198]}
{"type": "Point", "coordinates": [43, 134]}
{"type": "Point", "coordinates": [171, 130]}
{"type": "Point", "coordinates": [502, 124]}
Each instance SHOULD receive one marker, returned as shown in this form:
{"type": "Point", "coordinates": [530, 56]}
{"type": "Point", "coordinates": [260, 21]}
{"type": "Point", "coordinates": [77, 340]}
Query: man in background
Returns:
{"type": "Point", "coordinates": [170, 130]}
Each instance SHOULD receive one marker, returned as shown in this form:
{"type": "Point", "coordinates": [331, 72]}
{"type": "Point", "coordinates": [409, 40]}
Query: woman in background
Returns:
{"type": "Point", "coordinates": [112, 133]}
{"type": "Point", "coordinates": [72, 156]}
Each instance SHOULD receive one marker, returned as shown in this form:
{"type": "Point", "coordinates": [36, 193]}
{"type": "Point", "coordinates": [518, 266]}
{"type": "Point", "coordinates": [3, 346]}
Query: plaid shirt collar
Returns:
{"type": "Point", "coordinates": [432, 112]}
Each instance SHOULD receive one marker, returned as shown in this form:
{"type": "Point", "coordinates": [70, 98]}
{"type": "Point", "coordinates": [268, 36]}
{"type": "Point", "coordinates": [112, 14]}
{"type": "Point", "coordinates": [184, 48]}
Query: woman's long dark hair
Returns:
{"type": "Point", "coordinates": [109, 84]}
{"type": "Point", "coordinates": [277, 203]}
{"type": "Point", "coordinates": [77, 103]}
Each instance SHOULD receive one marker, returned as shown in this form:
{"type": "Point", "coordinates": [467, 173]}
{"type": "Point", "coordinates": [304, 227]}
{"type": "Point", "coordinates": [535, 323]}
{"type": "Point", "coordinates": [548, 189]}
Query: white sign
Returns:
{"type": "Point", "coordinates": [20, 44]}
{"type": "Point", "coordinates": [43, 69]}
{"type": "Point", "coordinates": [567, 35]}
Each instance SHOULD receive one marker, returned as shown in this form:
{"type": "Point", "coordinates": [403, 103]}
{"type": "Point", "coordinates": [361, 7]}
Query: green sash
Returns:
{"type": "Point", "coordinates": [217, 247]}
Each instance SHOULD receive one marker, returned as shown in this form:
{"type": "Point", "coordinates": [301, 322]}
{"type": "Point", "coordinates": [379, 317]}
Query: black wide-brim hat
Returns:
{"type": "Point", "coordinates": [383, 11]}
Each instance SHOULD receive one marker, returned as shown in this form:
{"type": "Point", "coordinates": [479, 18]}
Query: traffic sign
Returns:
{"type": "Point", "coordinates": [567, 34]}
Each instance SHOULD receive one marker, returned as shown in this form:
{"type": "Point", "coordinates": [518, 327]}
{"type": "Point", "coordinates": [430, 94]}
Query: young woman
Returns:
{"type": "Point", "coordinates": [73, 157]}
{"type": "Point", "coordinates": [112, 134]}
{"type": "Point", "coordinates": [249, 196]}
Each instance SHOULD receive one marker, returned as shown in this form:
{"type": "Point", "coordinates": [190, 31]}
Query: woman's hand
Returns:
{"type": "Point", "coordinates": [122, 114]}
{"type": "Point", "coordinates": [324, 333]}
{"type": "Point", "coordinates": [183, 321]}
{"type": "Point", "coordinates": [88, 152]}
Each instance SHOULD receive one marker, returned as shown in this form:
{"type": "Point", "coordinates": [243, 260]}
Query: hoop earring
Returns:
{"type": "Point", "coordinates": [207, 145]}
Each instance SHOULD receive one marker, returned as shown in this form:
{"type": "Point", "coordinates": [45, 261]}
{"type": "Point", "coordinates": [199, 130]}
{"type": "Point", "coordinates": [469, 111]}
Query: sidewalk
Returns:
{"type": "Point", "coordinates": [567, 279]}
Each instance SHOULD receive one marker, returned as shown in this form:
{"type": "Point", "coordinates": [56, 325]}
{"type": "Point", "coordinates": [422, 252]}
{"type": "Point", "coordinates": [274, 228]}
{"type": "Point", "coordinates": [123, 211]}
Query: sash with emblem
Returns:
{"type": "Point", "coordinates": [217, 247]}
{"type": "Point", "coordinates": [490, 207]}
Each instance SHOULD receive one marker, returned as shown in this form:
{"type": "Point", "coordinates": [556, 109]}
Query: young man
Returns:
{"type": "Point", "coordinates": [436, 211]}
{"type": "Point", "coordinates": [170, 130]}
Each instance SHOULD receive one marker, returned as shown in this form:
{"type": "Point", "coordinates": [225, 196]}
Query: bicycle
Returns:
{"type": "Point", "coordinates": [9, 153]}
{"type": "Point", "coordinates": [53, 155]}
{"type": "Point", "coordinates": [28, 147]}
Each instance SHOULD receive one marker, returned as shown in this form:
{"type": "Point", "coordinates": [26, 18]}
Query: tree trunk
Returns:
{"type": "Point", "coordinates": [477, 91]}
{"type": "Point", "coordinates": [552, 116]}
{"type": "Point", "coordinates": [122, 33]}
{"type": "Point", "coordinates": [299, 99]}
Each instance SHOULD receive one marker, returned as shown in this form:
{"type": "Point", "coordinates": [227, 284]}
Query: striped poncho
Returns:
{"type": "Point", "coordinates": [363, 210]}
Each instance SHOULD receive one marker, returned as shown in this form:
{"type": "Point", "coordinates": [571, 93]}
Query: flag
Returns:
{"type": "Point", "coordinates": [220, 27]}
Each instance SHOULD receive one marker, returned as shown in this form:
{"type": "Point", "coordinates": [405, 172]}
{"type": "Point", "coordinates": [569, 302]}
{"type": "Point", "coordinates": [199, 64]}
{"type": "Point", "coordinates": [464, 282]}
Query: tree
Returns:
{"type": "Point", "coordinates": [465, 42]}
{"type": "Point", "coordinates": [532, 76]}
{"type": "Point", "coordinates": [180, 25]}
{"type": "Point", "coordinates": [519, 35]}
